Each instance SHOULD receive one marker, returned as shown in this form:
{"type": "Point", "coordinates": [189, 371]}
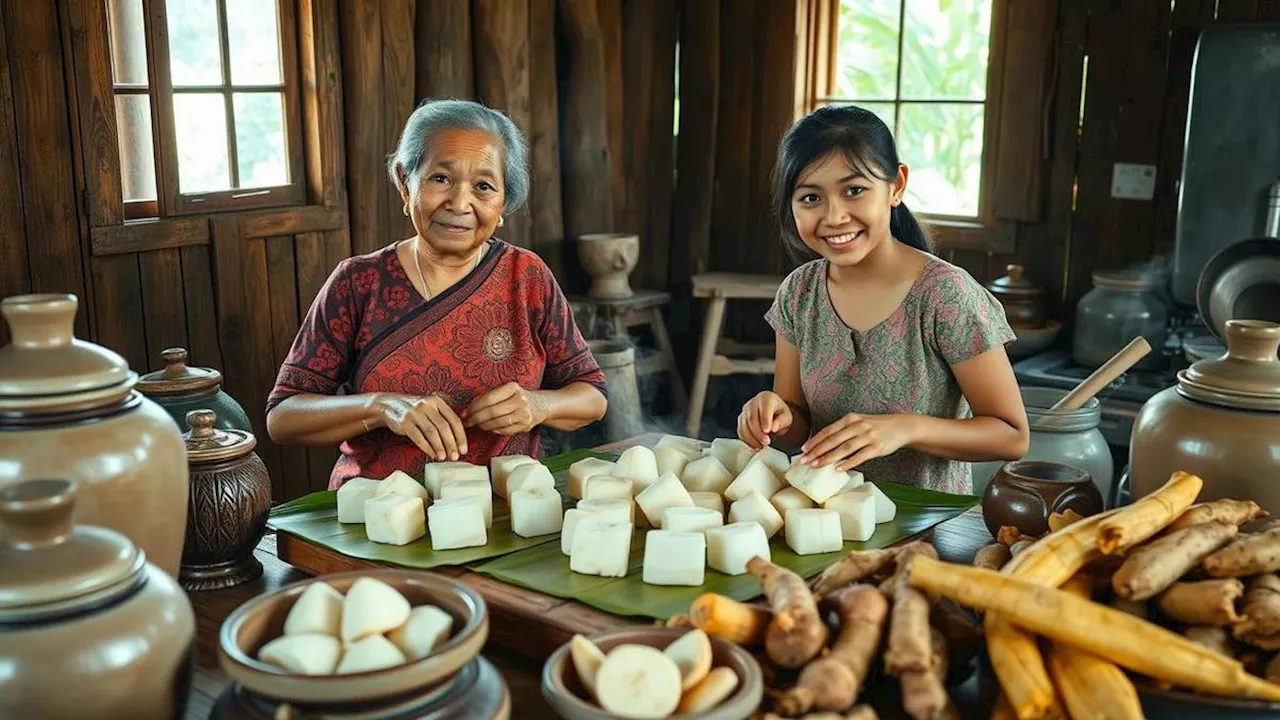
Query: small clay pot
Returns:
{"type": "Point", "coordinates": [609, 258]}
{"type": "Point", "coordinates": [1024, 493]}
{"type": "Point", "coordinates": [1022, 299]}
{"type": "Point", "coordinates": [180, 388]}
{"type": "Point", "coordinates": [229, 501]}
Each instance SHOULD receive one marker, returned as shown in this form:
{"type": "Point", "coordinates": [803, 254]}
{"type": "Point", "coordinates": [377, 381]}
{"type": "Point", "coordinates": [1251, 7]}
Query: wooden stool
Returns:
{"type": "Point", "coordinates": [713, 350]}
{"type": "Point", "coordinates": [642, 308]}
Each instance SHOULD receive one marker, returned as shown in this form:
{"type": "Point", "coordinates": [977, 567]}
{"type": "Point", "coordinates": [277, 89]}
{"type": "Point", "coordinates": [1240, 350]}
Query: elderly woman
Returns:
{"type": "Point", "coordinates": [452, 344]}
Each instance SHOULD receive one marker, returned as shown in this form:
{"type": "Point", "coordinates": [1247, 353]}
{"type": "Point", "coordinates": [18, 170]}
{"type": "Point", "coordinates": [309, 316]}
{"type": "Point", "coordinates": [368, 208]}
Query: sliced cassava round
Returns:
{"type": "Point", "coordinates": [308, 654]}
{"type": "Point", "coordinates": [372, 607]}
{"type": "Point", "coordinates": [318, 610]}
{"type": "Point", "coordinates": [374, 652]}
{"type": "Point", "coordinates": [714, 688]}
{"type": "Point", "coordinates": [587, 657]}
{"type": "Point", "coordinates": [638, 681]}
{"type": "Point", "coordinates": [692, 654]}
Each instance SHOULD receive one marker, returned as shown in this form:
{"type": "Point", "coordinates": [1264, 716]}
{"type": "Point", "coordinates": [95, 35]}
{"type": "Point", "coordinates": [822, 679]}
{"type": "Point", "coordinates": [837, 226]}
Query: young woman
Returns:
{"type": "Point", "coordinates": [889, 360]}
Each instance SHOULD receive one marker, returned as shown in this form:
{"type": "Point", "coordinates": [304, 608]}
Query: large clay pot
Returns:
{"type": "Point", "coordinates": [227, 514]}
{"type": "Point", "coordinates": [88, 627]}
{"type": "Point", "coordinates": [1023, 300]}
{"type": "Point", "coordinates": [609, 258]}
{"type": "Point", "coordinates": [180, 388]}
{"type": "Point", "coordinates": [1220, 422]}
{"type": "Point", "coordinates": [68, 409]}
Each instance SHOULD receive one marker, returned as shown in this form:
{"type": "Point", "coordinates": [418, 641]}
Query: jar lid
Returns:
{"type": "Point", "coordinates": [1125, 280]}
{"type": "Point", "coordinates": [46, 367]}
{"type": "Point", "coordinates": [206, 444]}
{"type": "Point", "coordinates": [50, 567]}
{"type": "Point", "coordinates": [1247, 376]}
{"type": "Point", "coordinates": [178, 377]}
{"type": "Point", "coordinates": [1013, 283]}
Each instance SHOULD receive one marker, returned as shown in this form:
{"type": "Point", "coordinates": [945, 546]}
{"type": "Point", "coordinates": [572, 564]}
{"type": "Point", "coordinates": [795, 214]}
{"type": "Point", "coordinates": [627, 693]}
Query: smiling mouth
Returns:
{"type": "Point", "coordinates": [841, 240]}
{"type": "Point", "coordinates": [448, 227]}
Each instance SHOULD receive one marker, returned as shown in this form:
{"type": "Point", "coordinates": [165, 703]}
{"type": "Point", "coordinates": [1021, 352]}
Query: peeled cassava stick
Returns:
{"type": "Point", "coordinates": [796, 634]}
{"type": "Point", "coordinates": [854, 567]}
{"type": "Point", "coordinates": [909, 642]}
{"type": "Point", "coordinates": [923, 695]}
{"type": "Point", "coordinates": [1208, 602]}
{"type": "Point", "coordinates": [1236, 512]}
{"type": "Point", "coordinates": [1090, 686]}
{"type": "Point", "coordinates": [728, 619]}
{"type": "Point", "coordinates": [1150, 515]}
{"type": "Point", "coordinates": [1135, 644]}
{"type": "Point", "coordinates": [1002, 710]}
{"type": "Point", "coordinates": [992, 557]}
{"type": "Point", "coordinates": [1261, 607]}
{"type": "Point", "coordinates": [832, 682]}
{"type": "Point", "coordinates": [1155, 566]}
{"type": "Point", "coordinates": [1250, 554]}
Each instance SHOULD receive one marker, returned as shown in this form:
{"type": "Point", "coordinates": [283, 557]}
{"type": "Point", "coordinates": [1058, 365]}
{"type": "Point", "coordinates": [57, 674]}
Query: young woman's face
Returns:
{"type": "Point", "coordinates": [456, 199]}
{"type": "Point", "coordinates": [841, 213]}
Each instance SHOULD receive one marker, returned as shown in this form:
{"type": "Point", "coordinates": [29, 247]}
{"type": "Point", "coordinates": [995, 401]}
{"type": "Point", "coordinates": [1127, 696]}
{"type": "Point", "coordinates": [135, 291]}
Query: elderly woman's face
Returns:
{"type": "Point", "coordinates": [456, 200]}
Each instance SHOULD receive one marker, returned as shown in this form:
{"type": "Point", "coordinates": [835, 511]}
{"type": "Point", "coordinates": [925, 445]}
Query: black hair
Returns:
{"type": "Point", "coordinates": [866, 142]}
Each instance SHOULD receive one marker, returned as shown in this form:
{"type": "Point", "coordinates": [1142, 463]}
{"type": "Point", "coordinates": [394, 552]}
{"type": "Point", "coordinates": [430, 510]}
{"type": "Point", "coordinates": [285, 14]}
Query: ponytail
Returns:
{"type": "Point", "coordinates": [904, 226]}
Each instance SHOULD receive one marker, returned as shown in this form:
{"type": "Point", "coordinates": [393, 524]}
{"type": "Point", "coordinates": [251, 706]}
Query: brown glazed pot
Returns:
{"type": "Point", "coordinates": [68, 409]}
{"type": "Point", "coordinates": [180, 388]}
{"type": "Point", "coordinates": [1024, 493]}
{"type": "Point", "coordinates": [1220, 422]}
{"type": "Point", "coordinates": [88, 627]}
{"type": "Point", "coordinates": [227, 511]}
{"type": "Point", "coordinates": [1022, 299]}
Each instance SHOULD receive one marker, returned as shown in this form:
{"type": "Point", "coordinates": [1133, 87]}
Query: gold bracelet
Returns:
{"type": "Point", "coordinates": [366, 425]}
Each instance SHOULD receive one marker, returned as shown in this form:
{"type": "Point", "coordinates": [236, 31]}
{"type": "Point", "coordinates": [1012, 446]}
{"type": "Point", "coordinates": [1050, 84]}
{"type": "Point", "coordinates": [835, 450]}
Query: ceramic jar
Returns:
{"type": "Point", "coordinates": [1022, 299]}
{"type": "Point", "coordinates": [1220, 422]}
{"type": "Point", "coordinates": [227, 512]}
{"type": "Point", "coordinates": [180, 388]}
{"type": "Point", "coordinates": [1120, 307]}
{"type": "Point", "coordinates": [1025, 492]}
{"type": "Point", "coordinates": [68, 409]}
{"type": "Point", "coordinates": [609, 259]}
{"type": "Point", "coordinates": [88, 627]}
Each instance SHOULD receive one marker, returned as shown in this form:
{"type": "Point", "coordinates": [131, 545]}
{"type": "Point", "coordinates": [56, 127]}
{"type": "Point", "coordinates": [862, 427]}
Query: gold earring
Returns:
{"type": "Point", "coordinates": [501, 221]}
{"type": "Point", "coordinates": [406, 210]}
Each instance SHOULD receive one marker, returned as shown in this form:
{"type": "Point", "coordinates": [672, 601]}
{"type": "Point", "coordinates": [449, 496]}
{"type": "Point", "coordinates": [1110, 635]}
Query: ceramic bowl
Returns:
{"type": "Point", "coordinates": [1161, 704]}
{"type": "Point", "coordinates": [252, 624]}
{"type": "Point", "coordinates": [1033, 340]}
{"type": "Point", "coordinates": [565, 695]}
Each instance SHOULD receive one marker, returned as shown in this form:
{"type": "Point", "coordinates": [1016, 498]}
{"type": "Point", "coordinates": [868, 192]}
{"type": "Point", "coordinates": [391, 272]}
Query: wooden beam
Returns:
{"type": "Point", "coordinates": [502, 81]}
{"type": "Point", "coordinates": [696, 145]}
{"type": "Point", "coordinates": [361, 24]}
{"type": "Point", "coordinates": [151, 234]}
{"type": "Point", "coordinates": [15, 278]}
{"type": "Point", "coordinates": [291, 221]}
{"type": "Point", "coordinates": [322, 102]}
{"type": "Point", "coordinates": [617, 105]}
{"type": "Point", "coordinates": [545, 200]}
{"type": "Point", "coordinates": [396, 104]}
{"type": "Point", "coordinates": [1022, 141]}
{"type": "Point", "coordinates": [443, 44]}
{"type": "Point", "coordinates": [91, 64]}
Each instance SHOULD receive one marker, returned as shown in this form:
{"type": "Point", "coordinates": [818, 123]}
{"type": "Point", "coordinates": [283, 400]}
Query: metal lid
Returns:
{"type": "Point", "coordinates": [207, 444]}
{"type": "Point", "coordinates": [1014, 284]}
{"type": "Point", "coordinates": [177, 377]}
{"type": "Point", "coordinates": [1125, 280]}
{"type": "Point", "coordinates": [1247, 377]}
{"type": "Point", "coordinates": [45, 367]}
{"type": "Point", "coordinates": [48, 566]}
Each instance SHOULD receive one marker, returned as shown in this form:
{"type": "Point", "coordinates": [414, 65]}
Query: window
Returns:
{"type": "Point", "coordinates": [206, 97]}
{"type": "Point", "coordinates": [923, 66]}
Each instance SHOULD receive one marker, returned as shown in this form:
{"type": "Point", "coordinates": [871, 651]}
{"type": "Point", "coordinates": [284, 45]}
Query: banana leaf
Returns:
{"type": "Point", "coordinates": [314, 518]}
{"type": "Point", "coordinates": [545, 568]}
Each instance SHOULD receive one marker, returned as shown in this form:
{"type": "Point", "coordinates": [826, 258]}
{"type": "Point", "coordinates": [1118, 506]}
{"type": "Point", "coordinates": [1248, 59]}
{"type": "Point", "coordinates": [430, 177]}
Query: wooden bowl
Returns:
{"type": "Point", "coordinates": [565, 694]}
{"type": "Point", "coordinates": [255, 622]}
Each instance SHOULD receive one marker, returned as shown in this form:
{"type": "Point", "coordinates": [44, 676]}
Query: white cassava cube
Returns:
{"type": "Point", "coordinates": [478, 489]}
{"type": "Point", "coordinates": [774, 459]}
{"type": "Point", "coordinates": [500, 467]}
{"type": "Point", "coordinates": [857, 511]}
{"type": "Point", "coordinates": [811, 531]}
{"type": "Point", "coordinates": [706, 474]}
{"type": "Point", "coordinates": [572, 517]}
{"type": "Point", "coordinates": [885, 508]}
{"type": "Point", "coordinates": [688, 446]}
{"type": "Point", "coordinates": [400, 482]}
{"type": "Point", "coordinates": [536, 512]}
{"type": "Point", "coordinates": [671, 460]}
{"type": "Point", "coordinates": [789, 498]}
{"type": "Point", "coordinates": [667, 492]}
{"type": "Point", "coordinates": [604, 487]}
{"type": "Point", "coordinates": [674, 558]}
{"type": "Point", "coordinates": [639, 464]}
{"type": "Point", "coordinates": [708, 500]}
{"type": "Point", "coordinates": [617, 508]}
{"type": "Point", "coordinates": [732, 453]}
{"type": "Point", "coordinates": [755, 507]}
{"type": "Point", "coordinates": [856, 479]}
{"type": "Point", "coordinates": [729, 547]}
{"type": "Point", "coordinates": [690, 519]}
{"type": "Point", "coordinates": [757, 477]}
{"type": "Point", "coordinates": [456, 523]}
{"type": "Point", "coordinates": [534, 476]}
{"type": "Point", "coordinates": [586, 468]}
{"type": "Point", "coordinates": [394, 519]}
{"type": "Point", "coordinates": [435, 473]}
{"type": "Point", "coordinates": [601, 546]}
{"type": "Point", "coordinates": [352, 496]}
{"type": "Point", "coordinates": [818, 483]}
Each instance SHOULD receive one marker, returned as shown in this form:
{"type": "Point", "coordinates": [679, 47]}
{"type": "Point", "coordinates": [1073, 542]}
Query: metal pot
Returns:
{"type": "Point", "coordinates": [1242, 281]}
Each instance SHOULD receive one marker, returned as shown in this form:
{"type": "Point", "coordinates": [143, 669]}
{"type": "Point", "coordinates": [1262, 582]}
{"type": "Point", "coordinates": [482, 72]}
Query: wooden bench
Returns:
{"type": "Point", "coordinates": [642, 308]}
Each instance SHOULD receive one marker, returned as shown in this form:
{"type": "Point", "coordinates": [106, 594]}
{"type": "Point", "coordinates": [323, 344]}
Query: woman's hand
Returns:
{"type": "Point", "coordinates": [763, 415]}
{"type": "Point", "coordinates": [429, 422]}
{"type": "Point", "coordinates": [855, 439]}
{"type": "Point", "coordinates": [506, 410]}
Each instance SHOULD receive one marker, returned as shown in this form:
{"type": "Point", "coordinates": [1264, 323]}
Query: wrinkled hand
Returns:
{"type": "Point", "coordinates": [506, 410]}
{"type": "Point", "coordinates": [763, 415]}
{"type": "Point", "coordinates": [855, 439]}
{"type": "Point", "coordinates": [429, 422]}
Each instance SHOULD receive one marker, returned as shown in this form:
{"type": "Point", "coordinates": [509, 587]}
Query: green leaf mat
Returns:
{"type": "Point", "coordinates": [546, 570]}
{"type": "Point", "coordinates": [314, 518]}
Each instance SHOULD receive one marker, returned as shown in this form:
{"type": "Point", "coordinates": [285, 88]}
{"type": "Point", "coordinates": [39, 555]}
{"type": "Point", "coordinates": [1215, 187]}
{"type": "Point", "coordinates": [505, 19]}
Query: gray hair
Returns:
{"type": "Point", "coordinates": [432, 116]}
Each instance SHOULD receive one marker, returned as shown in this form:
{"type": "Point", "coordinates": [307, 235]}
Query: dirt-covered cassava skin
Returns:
{"type": "Point", "coordinates": [796, 634]}
{"type": "Point", "coordinates": [1236, 512]}
{"type": "Point", "coordinates": [1213, 637]}
{"type": "Point", "coordinates": [924, 696]}
{"type": "Point", "coordinates": [1207, 602]}
{"type": "Point", "coordinates": [832, 682]}
{"type": "Point", "coordinates": [1250, 554]}
{"type": "Point", "coordinates": [909, 638]}
{"type": "Point", "coordinates": [1152, 568]}
{"type": "Point", "coordinates": [854, 567]}
{"type": "Point", "coordinates": [1261, 607]}
{"type": "Point", "coordinates": [993, 556]}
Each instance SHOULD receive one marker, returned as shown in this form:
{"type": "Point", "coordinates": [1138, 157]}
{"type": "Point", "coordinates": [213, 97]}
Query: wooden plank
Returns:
{"type": "Point", "coordinates": [545, 200]}
{"type": "Point", "coordinates": [397, 102]}
{"type": "Point", "coordinates": [164, 310]}
{"type": "Point", "coordinates": [322, 102]}
{"type": "Point", "coordinates": [86, 22]}
{"type": "Point", "coordinates": [361, 25]}
{"type": "Point", "coordinates": [137, 236]}
{"type": "Point", "coordinates": [282, 284]}
{"type": "Point", "coordinates": [310, 218]}
{"type": "Point", "coordinates": [696, 146]}
{"type": "Point", "coordinates": [44, 143]}
{"type": "Point", "coordinates": [1269, 9]}
{"type": "Point", "coordinates": [973, 261]}
{"type": "Point", "coordinates": [443, 46]}
{"type": "Point", "coordinates": [501, 40]}
{"type": "Point", "coordinates": [617, 102]}
{"type": "Point", "coordinates": [776, 37]}
{"type": "Point", "coordinates": [203, 345]}
{"type": "Point", "coordinates": [734, 141]}
{"type": "Point", "coordinates": [1022, 141]}
{"type": "Point", "coordinates": [15, 278]}
{"type": "Point", "coordinates": [118, 307]}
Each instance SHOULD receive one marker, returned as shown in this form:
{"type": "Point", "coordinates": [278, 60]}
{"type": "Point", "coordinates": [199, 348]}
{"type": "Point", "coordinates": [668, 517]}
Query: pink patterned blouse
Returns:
{"type": "Point", "coordinates": [902, 365]}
